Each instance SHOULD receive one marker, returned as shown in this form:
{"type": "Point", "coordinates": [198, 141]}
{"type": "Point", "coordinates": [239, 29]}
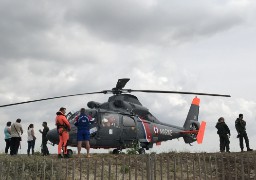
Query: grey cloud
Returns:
{"type": "Point", "coordinates": [22, 28]}
{"type": "Point", "coordinates": [85, 46]}
{"type": "Point", "coordinates": [165, 22]}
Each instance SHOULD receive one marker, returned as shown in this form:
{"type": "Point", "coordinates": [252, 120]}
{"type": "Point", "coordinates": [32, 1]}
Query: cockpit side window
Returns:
{"type": "Point", "coordinates": [128, 121]}
{"type": "Point", "coordinates": [110, 120]}
{"type": "Point", "coordinates": [92, 113]}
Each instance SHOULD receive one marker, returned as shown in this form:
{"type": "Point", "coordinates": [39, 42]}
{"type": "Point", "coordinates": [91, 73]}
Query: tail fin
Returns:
{"type": "Point", "coordinates": [191, 123]}
{"type": "Point", "coordinates": [193, 113]}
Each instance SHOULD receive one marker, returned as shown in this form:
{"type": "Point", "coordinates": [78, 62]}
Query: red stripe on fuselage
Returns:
{"type": "Point", "coordinates": [147, 130]}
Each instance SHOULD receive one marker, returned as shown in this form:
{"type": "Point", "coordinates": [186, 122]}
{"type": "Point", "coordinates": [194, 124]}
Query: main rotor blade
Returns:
{"type": "Point", "coordinates": [57, 97]}
{"type": "Point", "coordinates": [175, 92]}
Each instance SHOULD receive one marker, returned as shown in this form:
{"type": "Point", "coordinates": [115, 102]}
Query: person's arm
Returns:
{"type": "Point", "coordinates": [216, 126]}
{"type": "Point", "coordinates": [9, 130]}
{"type": "Point", "coordinates": [21, 130]}
{"type": "Point", "coordinates": [237, 126]}
{"type": "Point", "coordinates": [228, 130]}
{"type": "Point", "coordinates": [66, 122]}
{"type": "Point", "coordinates": [33, 134]}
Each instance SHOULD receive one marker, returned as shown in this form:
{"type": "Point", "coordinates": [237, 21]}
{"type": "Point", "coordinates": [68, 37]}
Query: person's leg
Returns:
{"type": "Point", "coordinates": [33, 146]}
{"type": "Point", "coordinates": [12, 147]}
{"type": "Point", "coordinates": [17, 145]}
{"type": "Point", "coordinates": [247, 142]}
{"type": "Point", "coordinates": [87, 143]}
{"type": "Point", "coordinates": [60, 145]}
{"type": "Point", "coordinates": [79, 142]}
{"type": "Point", "coordinates": [227, 143]}
{"type": "Point", "coordinates": [65, 137]}
{"type": "Point", "coordinates": [241, 142]}
{"type": "Point", "coordinates": [7, 145]}
{"type": "Point", "coordinates": [29, 147]}
{"type": "Point", "coordinates": [44, 148]}
{"type": "Point", "coordinates": [79, 146]}
{"type": "Point", "coordinates": [222, 144]}
{"type": "Point", "coordinates": [87, 146]}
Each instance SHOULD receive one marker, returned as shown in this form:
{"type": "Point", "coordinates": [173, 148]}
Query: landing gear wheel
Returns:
{"type": "Point", "coordinates": [70, 153]}
{"type": "Point", "coordinates": [142, 151]}
{"type": "Point", "coordinates": [116, 151]}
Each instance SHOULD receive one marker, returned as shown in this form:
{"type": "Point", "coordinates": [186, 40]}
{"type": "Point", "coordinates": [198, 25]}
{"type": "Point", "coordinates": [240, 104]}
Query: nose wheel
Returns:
{"type": "Point", "coordinates": [116, 151]}
{"type": "Point", "coordinates": [70, 153]}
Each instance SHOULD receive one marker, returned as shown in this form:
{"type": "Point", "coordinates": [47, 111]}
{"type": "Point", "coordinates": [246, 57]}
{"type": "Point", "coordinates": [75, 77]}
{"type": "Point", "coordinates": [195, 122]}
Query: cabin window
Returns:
{"type": "Point", "coordinates": [110, 120]}
{"type": "Point", "coordinates": [128, 121]}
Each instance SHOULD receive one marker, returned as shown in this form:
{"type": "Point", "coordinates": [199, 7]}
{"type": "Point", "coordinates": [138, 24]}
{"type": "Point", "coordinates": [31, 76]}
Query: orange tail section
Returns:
{"type": "Point", "coordinates": [200, 135]}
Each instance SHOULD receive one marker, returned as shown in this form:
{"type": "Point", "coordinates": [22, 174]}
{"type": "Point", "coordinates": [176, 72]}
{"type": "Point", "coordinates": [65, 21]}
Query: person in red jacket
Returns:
{"type": "Point", "coordinates": [63, 127]}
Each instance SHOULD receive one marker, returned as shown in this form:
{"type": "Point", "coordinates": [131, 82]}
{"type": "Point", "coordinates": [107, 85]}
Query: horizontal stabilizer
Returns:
{"type": "Point", "coordinates": [189, 132]}
{"type": "Point", "coordinates": [200, 135]}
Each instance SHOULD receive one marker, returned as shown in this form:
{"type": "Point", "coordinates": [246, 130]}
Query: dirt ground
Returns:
{"type": "Point", "coordinates": [150, 166]}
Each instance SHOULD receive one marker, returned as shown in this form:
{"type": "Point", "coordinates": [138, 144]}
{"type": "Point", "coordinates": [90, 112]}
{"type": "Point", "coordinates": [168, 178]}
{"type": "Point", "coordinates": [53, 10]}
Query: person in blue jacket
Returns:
{"type": "Point", "coordinates": [7, 133]}
{"type": "Point", "coordinates": [83, 131]}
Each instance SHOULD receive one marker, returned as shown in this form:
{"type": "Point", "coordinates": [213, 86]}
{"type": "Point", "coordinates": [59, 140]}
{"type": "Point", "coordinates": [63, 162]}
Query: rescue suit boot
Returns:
{"type": "Point", "coordinates": [249, 149]}
{"type": "Point", "coordinates": [60, 156]}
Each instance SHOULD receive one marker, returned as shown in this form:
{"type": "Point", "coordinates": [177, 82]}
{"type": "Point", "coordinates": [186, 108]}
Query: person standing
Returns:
{"type": "Point", "coordinates": [16, 132]}
{"type": "Point", "coordinates": [241, 130]}
{"type": "Point", "coordinates": [7, 134]}
{"type": "Point", "coordinates": [224, 133]}
{"type": "Point", "coordinates": [63, 128]}
{"type": "Point", "coordinates": [83, 131]}
{"type": "Point", "coordinates": [31, 139]}
{"type": "Point", "coordinates": [45, 150]}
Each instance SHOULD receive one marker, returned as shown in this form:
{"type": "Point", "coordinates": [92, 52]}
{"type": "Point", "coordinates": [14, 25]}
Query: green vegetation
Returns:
{"type": "Point", "coordinates": [134, 150]}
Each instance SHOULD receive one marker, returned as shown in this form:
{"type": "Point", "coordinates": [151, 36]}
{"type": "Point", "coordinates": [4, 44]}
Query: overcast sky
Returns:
{"type": "Point", "coordinates": [53, 48]}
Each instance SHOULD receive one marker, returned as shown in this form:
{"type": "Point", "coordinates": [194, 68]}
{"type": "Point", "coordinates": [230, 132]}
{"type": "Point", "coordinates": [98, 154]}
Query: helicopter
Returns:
{"type": "Point", "coordinates": [123, 121]}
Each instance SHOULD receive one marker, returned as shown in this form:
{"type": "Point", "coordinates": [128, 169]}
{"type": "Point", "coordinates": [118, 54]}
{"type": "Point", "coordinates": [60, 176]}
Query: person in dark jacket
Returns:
{"type": "Point", "coordinates": [241, 130]}
{"type": "Point", "coordinates": [45, 150]}
{"type": "Point", "coordinates": [224, 134]}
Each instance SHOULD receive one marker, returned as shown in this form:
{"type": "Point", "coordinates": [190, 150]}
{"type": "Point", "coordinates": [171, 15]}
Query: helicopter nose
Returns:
{"type": "Point", "coordinates": [53, 136]}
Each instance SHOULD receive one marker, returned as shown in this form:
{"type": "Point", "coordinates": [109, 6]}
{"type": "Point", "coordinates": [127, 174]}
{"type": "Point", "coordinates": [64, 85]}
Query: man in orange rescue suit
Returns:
{"type": "Point", "coordinates": [63, 127]}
